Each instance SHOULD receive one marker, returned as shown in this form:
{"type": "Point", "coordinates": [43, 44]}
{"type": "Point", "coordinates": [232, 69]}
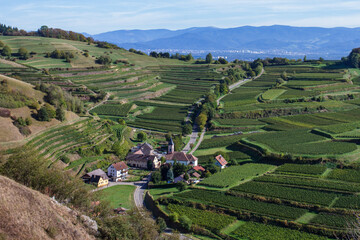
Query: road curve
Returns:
{"type": "Point", "coordinates": [141, 186]}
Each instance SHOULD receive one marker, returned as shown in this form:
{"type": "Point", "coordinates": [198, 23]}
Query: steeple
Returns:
{"type": "Point", "coordinates": [171, 146]}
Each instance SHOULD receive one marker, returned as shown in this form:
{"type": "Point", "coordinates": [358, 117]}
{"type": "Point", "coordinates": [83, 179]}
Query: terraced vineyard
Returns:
{"type": "Point", "coordinates": [55, 142]}
{"type": "Point", "coordinates": [297, 124]}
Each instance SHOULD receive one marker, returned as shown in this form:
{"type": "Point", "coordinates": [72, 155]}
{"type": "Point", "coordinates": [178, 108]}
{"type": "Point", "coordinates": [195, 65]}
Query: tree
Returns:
{"type": "Point", "coordinates": [51, 110]}
{"type": "Point", "coordinates": [164, 170]}
{"type": "Point", "coordinates": [105, 60]}
{"type": "Point", "coordinates": [121, 121]}
{"type": "Point", "coordinates": [60, 114]}
{"type": "Point", "coordinates": [222, 61]}
{"type": "Point", "coordinates": [179, 169]}
{"type": "Point", "coordinates": [224, 89]}
{"type": "Point", "coordinates": [353, 60]}
{"type": "Point", "coordinates": [201, 120]}
{"type": "Point", "coordinates": [46, 112]}
{"type": "Point", "coordinates": [161, 223]}
{"type": "Point", "coordinates": [209, 58]}
{"type": "Point", "coordinates": [189, 57]}
{"type": "Point", "coordinates": [43, 115]}
{"type": "Point", "coordinates": [156, 177]}
{"type": "Point", "coordinates": [149, 165]}
{"type": "Point", "coordinates": [284, 76]}
{"type": "Point", "coordinates": [181, 186]}
{"type": "Point", "coordinates": [187, 129]}
{"type": "Point", "coordinates": [141, 136]}
{"type": "Point", "coordinates": [120, 148]}
{"type": "Point", "coordinates": [185, 222]}
{"type": "Point", "coordinates": [6, 51]}
{"type": "Point", "coordinates": [170, 175]}
{"type": "Point", "coordinates": [186, 176]}
{"type": "Point", "coordinates": [23, 53]}
{"type": "Point", "coordinates": [174, 217]}
{"type": "Point", "coordinates": [305, 59]}
{"type": "Point", "coordinates": [1, 44]}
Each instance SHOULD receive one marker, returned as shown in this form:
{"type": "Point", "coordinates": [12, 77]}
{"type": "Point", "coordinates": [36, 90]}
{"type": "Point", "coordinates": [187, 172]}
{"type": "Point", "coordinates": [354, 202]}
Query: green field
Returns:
{"type": "Point", "coordinates": [119, 196]}
{"type": "Point", "coordinates": [233, 175]}
{"type": "Point", "coordinates": [292, 147]}
{"type": "Point", "coordinates": [257, 231]}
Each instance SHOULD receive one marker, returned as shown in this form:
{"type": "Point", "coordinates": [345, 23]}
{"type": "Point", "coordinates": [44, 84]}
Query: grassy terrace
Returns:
{"type": "Point", "coordinates": [52, 144]}
{"type": "Point", "coordinates": [119, 196]}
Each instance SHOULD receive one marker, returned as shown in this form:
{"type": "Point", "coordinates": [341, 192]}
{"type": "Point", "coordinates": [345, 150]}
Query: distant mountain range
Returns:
{"type": "Point", "coordinates": [243, 42]}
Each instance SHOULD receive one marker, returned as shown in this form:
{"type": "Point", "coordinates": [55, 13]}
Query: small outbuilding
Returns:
{"type": "Point", "coordinates": [220, 161]}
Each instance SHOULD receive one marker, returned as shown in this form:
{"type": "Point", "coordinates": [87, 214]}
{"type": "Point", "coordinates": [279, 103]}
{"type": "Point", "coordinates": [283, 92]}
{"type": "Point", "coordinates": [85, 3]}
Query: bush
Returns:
{"type": "Point", "coordinates": [161, 223]}
{"type": "Point", "coordinates": [23, 53]}
{"type": "Point", "coordinates": [185, 222]}
{"type": "Point", "coordinates": [156, 177]}
{"type": "Point", "coordinates": [105, 60]}
{"type": "Point", "coordinates": [174, 217]}
{"type": "Point", "coordinates": [181, 186]}
{"type": "Point", "coordinates": [65, 159]}
{"type": "Point", "coordinates": [141, 136]}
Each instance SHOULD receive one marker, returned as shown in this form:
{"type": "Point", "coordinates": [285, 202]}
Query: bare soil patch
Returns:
{"type": "Point", "coordinates": [11, 63]}
{"type": "Point", "coordinates": [30, 215]}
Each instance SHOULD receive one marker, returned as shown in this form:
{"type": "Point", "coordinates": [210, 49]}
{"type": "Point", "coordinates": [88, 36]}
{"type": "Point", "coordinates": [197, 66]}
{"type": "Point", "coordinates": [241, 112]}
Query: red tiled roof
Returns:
{"type": "Point", "coordinates": [195, 174]}
{"type": "Point", "coordinates": [120, 166]}
{"type": "Point", "coordinates": [221, 160]}
{"type": "Point", "coordinates": [199, 168]}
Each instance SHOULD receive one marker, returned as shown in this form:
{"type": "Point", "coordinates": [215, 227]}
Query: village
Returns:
{"type": "Point", "coordinates": [171, 167]}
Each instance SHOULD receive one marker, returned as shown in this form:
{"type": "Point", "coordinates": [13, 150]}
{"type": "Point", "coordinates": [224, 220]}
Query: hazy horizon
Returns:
{"type": "Point", "coordinates": [93, 17]}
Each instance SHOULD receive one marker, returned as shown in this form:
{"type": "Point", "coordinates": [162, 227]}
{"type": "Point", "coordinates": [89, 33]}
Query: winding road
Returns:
{"type": "Point", "coordinates": [141, 186]}
{"type": "Point", "coordinates": [195, 132]}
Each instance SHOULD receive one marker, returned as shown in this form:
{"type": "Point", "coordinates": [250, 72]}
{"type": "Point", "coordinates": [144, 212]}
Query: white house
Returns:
{"type": "Point", "coordinates": [182, 158]}
{"type": "Point", "coordinates": [118, 171]}
{"type": "Point", "coordinates": [220, 161]}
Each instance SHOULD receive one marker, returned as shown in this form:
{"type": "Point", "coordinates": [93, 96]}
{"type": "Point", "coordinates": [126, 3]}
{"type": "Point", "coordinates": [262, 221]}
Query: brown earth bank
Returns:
{"type": "Point", "coordinates": [28, 214]}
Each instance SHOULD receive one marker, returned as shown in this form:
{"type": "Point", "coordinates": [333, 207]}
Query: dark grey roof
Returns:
{"type": "Point", "coordinates": [97, 172]}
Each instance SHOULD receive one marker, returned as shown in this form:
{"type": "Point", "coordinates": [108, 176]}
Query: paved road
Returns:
{"type": "Point", "coordinates": [199, 141]}
{"type": "Point", "coordinates": [141, 186]}
{"type": "Point", "coordinates": [195, 130]}
{"type": "Point", "coordinates": [192, 140]}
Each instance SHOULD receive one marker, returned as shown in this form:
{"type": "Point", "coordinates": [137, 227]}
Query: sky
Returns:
{"type": "Point", "coordinates": [108, 15]}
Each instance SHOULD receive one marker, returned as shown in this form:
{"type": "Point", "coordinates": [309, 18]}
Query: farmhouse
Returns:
{"type": "Point", "coordinates": [220, 161]}
{"type": "Point", "coordinates": [141, 154]}
{"type": "Point", "coordinates": [118, 171]}
{"type": "Point", "coordinates": [182, 158]}
{"type": "Point", "coordinates": [97, 177]}
{"type": "Point", "coordinates": [179, 157]}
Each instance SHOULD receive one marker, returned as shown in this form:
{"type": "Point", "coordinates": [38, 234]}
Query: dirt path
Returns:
{"type": "Point", "coordinates": [11, 63]}
{"type": "Point", "coordinates": [100, 103]}
{"type": "Point", "coordinates": [238, 84]}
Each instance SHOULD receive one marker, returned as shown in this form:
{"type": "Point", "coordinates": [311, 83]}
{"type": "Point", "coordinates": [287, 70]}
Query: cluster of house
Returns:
{"type": "Point", "coordinates": [116, 172]}
{"type": "Point", "coordinates": [142, 153]}
{"type": "Point", "coordinates": [141, 156]}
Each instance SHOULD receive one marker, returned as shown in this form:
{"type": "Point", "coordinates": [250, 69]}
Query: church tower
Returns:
{"type": "Point", "coordinates": [171, 146]}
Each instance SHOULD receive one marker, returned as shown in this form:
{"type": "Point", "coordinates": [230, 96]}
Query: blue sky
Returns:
{"type": "Point", "coordinates": [100, 16]}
